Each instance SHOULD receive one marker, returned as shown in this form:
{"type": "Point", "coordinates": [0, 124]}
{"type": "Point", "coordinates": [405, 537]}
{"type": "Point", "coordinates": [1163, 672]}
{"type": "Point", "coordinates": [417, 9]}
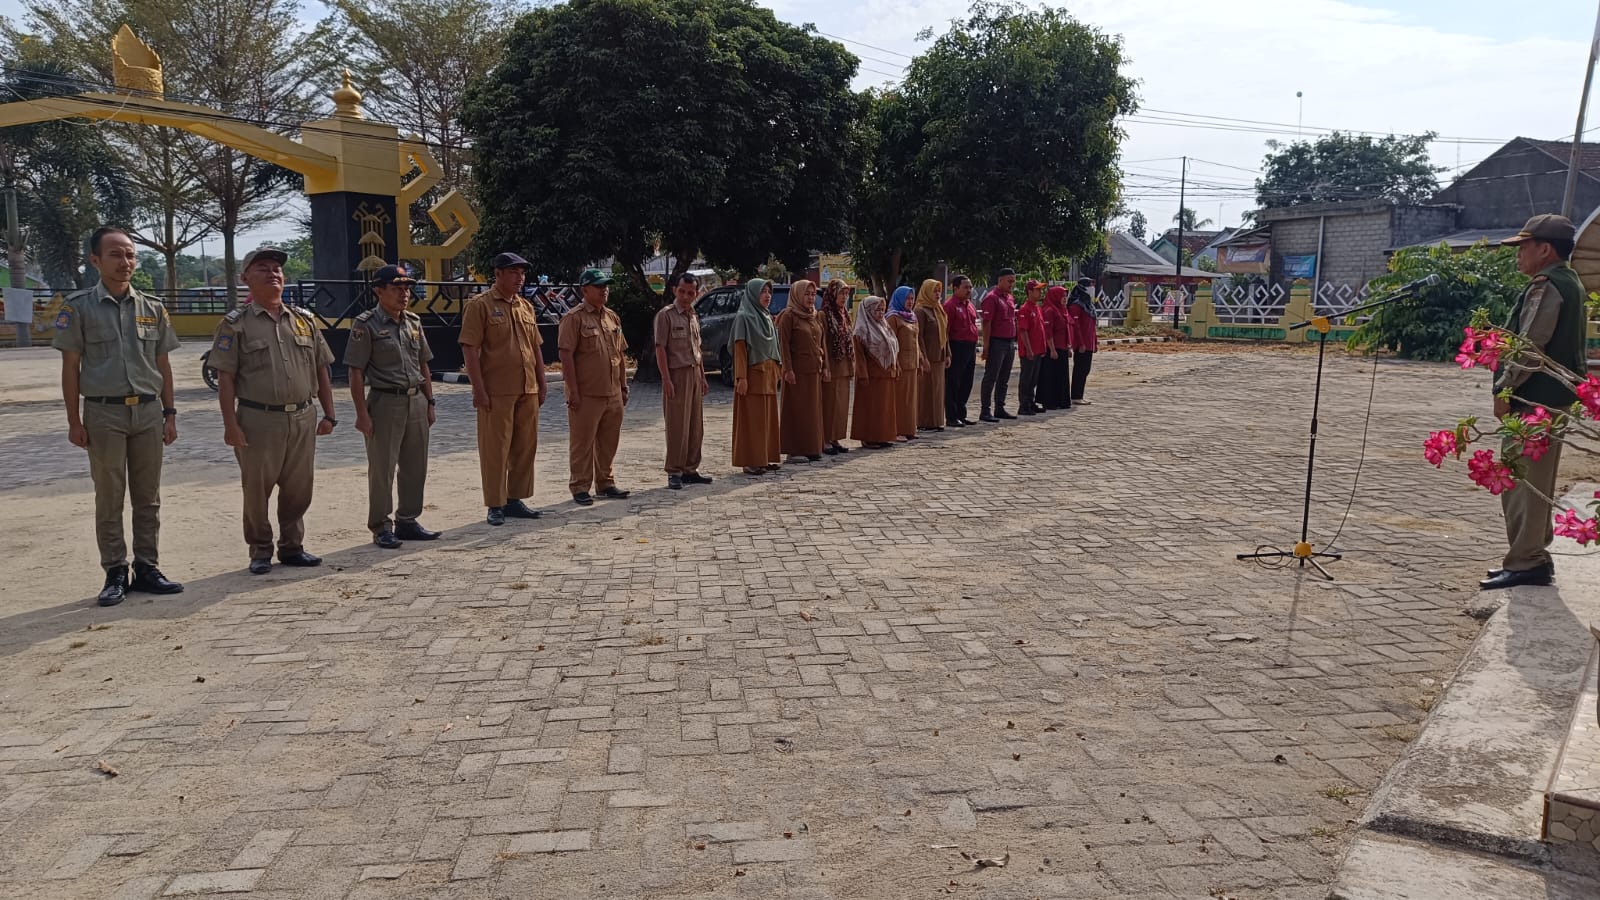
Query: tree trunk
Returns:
{"type": "Point", "coordinates": [894, 270]}
{"type": "Point", "coordinates": [229, 273]}
{"type": "Point", "coordinates": [645, 357]}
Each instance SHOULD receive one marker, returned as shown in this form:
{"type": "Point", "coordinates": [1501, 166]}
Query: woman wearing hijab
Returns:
{"type": "Point", "coordinates": [876, 353]}
{"type": "Point", "coordinates": [804, 371]}
{"type": "Point", "coordinates": [840, 345]}
{"type": "Point", "coordinates": [935, 332]}
{"type": "Point", "coordinates": [757, 369]}
{"type": "Point", "coordinates": [1085, 337]}
{"type": "Point", "coordinates": [1055, 377]}
{"type": "Point", "coordinates": [903, 325]}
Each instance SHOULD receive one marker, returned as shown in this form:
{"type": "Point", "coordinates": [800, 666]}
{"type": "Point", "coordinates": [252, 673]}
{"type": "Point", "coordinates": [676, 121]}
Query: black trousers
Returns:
{"type": "Point", "coordinates": [1080, 371]}
{"type": "Point", "coordinates": [1055, 381]}
{"type": "Point", "coordinates": [997, 373]}
{"type": "Point", "coordinates": [1028, 388]}
{"type": "Point", "coordinates": [958, 380]}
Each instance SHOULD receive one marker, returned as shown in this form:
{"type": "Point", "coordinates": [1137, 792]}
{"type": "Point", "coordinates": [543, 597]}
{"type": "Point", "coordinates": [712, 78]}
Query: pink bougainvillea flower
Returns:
{"type": "Point", "coordinates": [1439, 445]}
{"type": "Point", "coordinates": [1535, 448]}
{"type": "Point", "coordinates": [1481, 348]}
{"type": "Point", "coordinates": [1589, 396]}
{"type": "Point", "coordinates": [1468, 355]}
{"type": "Point", "coordinates": [1495, 477]}
{"type": "Point", "coordinates": [1539, 416]}
{"type": "Point", "coordinates": [1571, 525]}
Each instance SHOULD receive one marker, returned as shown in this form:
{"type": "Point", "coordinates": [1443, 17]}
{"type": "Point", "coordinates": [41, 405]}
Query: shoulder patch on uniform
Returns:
{"type": "Point", "coordinates": [234, 316]}
{"type": "Point", "coordinates": [224, 342]}
{"type": "Point", "coordinates": [64, 318]}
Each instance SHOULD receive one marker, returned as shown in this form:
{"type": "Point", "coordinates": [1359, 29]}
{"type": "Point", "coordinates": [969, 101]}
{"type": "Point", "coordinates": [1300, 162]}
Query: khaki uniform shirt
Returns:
{"type": "Point", "coordinates": [679, 333]}
{"type": "Point", "coordinates": [800, 337]}
{"type": "Point", "coordinates": [273, 361]}
{"type": "Point", "coordinates": [594, 338]}
{"type": "Point", "coordinates": [389, 351]}
{"type": "Point", "coordinates": [504, 332]}
{"type": "Point", "coordinates": [119, 340]}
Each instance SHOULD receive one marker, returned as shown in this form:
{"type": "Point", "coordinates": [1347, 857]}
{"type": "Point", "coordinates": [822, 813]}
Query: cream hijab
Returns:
{"type": "Point", "coordinates": [874, 334]}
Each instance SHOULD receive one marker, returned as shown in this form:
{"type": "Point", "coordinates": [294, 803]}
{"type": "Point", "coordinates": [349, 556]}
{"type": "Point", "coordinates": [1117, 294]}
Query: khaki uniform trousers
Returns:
{"type": "Point", "coordinates": [399, 439]}
{"type": "Point", "coordinates": [125, 461]}
{"type": "Point", "coordinates": [595, 428]}
{"type": "Point", "coordinates": [1529, 530]}
{"type": "Point", "coordinates": [684, 416]}
{"type": "Point", "coordinates": [282, 454]}
{"type": "Point", "coordinates": [836, 401]}
{"type": "Point", "coordinates": [508, 441]}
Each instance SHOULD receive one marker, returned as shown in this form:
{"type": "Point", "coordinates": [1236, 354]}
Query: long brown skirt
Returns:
{"type": "Point", "coordinates": [874, 422]}
{"type": "Point", "coordinates": [836, 402]}
{"type": "Point", "coordinates": [905, 403]}
{"type": "Point", "coordinates": [755, 430]}
{"type": "Point", "coordinates": [930, 397]}
{"type": "Point", "coordinates": [801, 405]}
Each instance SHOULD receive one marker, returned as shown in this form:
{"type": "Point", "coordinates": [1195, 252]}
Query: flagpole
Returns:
{"type": "Point", "coordinates": [1577, 138]}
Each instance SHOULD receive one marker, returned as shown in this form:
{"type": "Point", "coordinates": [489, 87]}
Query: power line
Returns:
{"type": "Point", "coordinates": [867, 45]}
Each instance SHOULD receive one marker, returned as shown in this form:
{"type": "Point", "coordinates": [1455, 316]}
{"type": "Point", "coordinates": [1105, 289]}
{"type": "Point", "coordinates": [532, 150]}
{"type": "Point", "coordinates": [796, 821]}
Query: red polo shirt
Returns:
{"type": "Point", "coordinates": [1030, 321]}
{"type": "Point", "coordinates": [1000, 311]}
{"type": "Point", "coordinates": [1059, 326]}
{"type": "Point", "coordinates": [963, 319]}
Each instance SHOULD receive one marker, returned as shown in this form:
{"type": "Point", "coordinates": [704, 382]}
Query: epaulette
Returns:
{"type": "Point", "coordinates": [77, 295]}
{"type": "Point", "coordinates": [365, 316]}
{"type": "Point", "coordinates": [302, 311]}
{"type": "Point", "coordinates": [233, 318]}
{"type": "Point", "coordinates": [1539, 279]}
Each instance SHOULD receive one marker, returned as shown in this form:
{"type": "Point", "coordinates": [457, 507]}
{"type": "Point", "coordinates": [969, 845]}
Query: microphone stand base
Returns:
{"type": "Point", "coordinates": [1302, 553]}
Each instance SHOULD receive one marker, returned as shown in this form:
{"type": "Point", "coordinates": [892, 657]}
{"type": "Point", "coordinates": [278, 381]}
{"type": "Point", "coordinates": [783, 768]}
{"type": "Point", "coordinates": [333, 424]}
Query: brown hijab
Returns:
{"type": "Point", "coordinates": [837, 319]}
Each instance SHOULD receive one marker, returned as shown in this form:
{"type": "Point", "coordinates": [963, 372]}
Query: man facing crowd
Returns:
{"type": "Point", "coordinates": [388, 355]}
{"type": "Point", "coordinates": [500, 346]}
{"type": "Point", "coordinates": [271, 360]}
{"type": "Point", "coordinates": [1551, 316]}
{"type": "Point", "coordinates": [114, 344]}
{"type": "Point", "coordinates": [596, 381]}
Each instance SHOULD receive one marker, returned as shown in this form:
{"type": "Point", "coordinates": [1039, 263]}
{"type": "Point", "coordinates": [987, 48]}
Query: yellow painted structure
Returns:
{"type": "Point", "coordinates": [344, 152]}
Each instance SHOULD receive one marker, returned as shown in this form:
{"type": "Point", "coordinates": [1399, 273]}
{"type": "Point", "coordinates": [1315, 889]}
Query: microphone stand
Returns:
{"type": "Point", "coordinates": [1303, 553]}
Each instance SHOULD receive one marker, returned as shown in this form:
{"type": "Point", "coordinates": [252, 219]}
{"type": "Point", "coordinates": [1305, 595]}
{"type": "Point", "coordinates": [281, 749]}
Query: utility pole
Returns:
{"type": "Point", "coordinates": [17, 263]}
{"type": "Point", "coordinates": [1577, 137]}
{"type": "Point", "coordinates": [1177, 272]}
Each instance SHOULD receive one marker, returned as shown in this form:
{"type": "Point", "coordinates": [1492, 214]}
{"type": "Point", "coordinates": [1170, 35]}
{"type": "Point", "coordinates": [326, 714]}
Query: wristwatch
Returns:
{"type": "Point", "coordinates": [330, 420]}
{"type": "Point", "coordinates": [168, 411]}
{"type": "Point", "coordinates": [430, 402]}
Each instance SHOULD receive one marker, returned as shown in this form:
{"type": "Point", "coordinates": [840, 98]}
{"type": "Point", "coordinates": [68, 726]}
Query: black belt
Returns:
{"type": "Point", "coordinates": [129, 400]}
{"type": "Point", "coordinates": [268, 407]}
{"type": "Point", "coordinates": [402, 392]}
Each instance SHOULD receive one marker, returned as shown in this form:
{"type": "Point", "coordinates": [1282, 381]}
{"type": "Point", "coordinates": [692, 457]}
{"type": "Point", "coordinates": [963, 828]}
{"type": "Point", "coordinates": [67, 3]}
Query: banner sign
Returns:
{"type": "Point", "coordinates": [1300, 267]}
{"type": "Point", "coordinates": [1253, 259]}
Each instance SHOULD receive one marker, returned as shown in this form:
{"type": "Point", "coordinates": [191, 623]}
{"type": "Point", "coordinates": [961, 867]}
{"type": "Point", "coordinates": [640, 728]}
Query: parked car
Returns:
{"type": "Point", "coordinates": [716, 309]}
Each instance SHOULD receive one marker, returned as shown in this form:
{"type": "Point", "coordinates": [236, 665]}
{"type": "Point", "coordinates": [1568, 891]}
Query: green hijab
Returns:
{"type": "Point", "coordinates": [753, 325]}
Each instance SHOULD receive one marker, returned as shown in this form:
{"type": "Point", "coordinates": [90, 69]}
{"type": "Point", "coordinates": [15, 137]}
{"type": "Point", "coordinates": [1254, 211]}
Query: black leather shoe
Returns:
{"type": "Point", "coordinates": [583, 499]}
{"type": "Point", "coordinates": [830, 450]}
{"type": "Point", "coordinates": [1002, 414]}
{"type": "Point", "coordinates": [116, 589]}
{"type": "Point", "coordinates": [987, 418]}
{"type": "Point", "coordinates": [496, 517]}
{"type": "Point", "coordinates": [1508, 578]}
{"type": "Point", "coordinates": [387, 540]}
{"type": "Point", "coordinates": [412, 531]}
{"type": "Point", "coordinates": [260, 566]}
{"type": "Point", "coordinates": [957, 423]}
{"type": "Point", "coordinates": [613, 493]}
{"type": "Point", "coordinates": [841, 448]}
{"type": "Point", "coordinates": [150, 580]}
{"type": "Point", "coordinates": [516, 509]}
{"type": "Point", "coordinates": [968, 422]}
{"type": "Point", "coordinates": [674, 482]}
{"type": "Point", "coordinates": [813, 456]}
{"type": "Point", "coordinates": [299, 559]}
{"type": "Point", "coordinates": [696, 478]}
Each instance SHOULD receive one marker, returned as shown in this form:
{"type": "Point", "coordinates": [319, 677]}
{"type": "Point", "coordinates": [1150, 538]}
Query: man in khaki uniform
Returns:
{"type": "Point", "coordinates": [388, 354]}
{"type": "Point", "coordinates": [683, 383]}
{"type": "Point", "coordinates": [596, 383]}
{"type": "Point", "coordinates": [114, 343]}
{"type": "Point", "coordinates": [270, 360]}
{"type": "Point", "coordinates": [500, 345]}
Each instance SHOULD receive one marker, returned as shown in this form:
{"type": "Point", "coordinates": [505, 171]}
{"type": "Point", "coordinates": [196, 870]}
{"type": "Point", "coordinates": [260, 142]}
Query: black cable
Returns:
{"type": "Point", "coordinates": [1361, 460]}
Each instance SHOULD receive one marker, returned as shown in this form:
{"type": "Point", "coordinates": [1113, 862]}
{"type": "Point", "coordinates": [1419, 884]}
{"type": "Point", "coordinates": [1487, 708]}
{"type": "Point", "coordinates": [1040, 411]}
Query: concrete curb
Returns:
{"type": "Point", "coordinates": [1149, 339]}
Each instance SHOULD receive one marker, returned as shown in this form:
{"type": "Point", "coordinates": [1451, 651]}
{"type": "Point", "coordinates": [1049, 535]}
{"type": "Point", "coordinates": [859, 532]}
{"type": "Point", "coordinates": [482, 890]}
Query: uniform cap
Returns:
{"type": "Point", "coordinates": [1548, 227]}
{"type": "Point", "coordinates": [593, 277]}
{"type": "Point", "coordinates": [510, 261]}
{"type": "Point", "coordinates": [264, 253]}
{"type": "Point", "coordinates": [393, 275]}
{"type": "Point", "coordinates": [1033, 283]}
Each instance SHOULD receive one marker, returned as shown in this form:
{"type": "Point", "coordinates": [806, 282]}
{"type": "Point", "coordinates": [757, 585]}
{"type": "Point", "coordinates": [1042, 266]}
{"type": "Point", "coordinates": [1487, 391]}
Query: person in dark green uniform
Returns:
{"type": "Point", "coordinates": [114, 343]}
{"type": "Point", "coordinates": [1551, 316]}
{"type": "Point", "coordinates": [388, 355]}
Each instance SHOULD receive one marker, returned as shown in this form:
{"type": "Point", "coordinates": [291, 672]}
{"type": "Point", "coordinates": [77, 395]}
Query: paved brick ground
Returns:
{"type": "Point", "coordinates": [1030, 640]}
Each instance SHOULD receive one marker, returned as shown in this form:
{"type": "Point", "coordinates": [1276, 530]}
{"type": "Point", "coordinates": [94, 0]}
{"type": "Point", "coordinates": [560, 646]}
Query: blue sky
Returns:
{"type": "Point", "coordinates": [1477, 70]}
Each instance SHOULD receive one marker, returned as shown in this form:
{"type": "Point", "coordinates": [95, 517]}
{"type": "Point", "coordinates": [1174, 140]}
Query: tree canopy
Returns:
{"type": "Point", "coordinates": [611, 127]}
{"type": "Point", "coordinates": [1008, 142]}
{"type": "Point", "coordinates": [1341, 166]}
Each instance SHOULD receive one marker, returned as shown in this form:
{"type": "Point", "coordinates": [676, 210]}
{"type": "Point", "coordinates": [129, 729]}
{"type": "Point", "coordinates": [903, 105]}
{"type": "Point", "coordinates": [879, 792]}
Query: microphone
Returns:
{"type": "Point", "coordinates": [1430, 281]}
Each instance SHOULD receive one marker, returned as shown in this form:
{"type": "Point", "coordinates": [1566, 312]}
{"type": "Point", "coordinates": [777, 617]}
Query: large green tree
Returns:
{"type": "Point", "coordinates": [614, 127]}
{"type": "Point", "coordinates": [1343, 166]}
{"type": "Point", "coordinates": [1013, 113]}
